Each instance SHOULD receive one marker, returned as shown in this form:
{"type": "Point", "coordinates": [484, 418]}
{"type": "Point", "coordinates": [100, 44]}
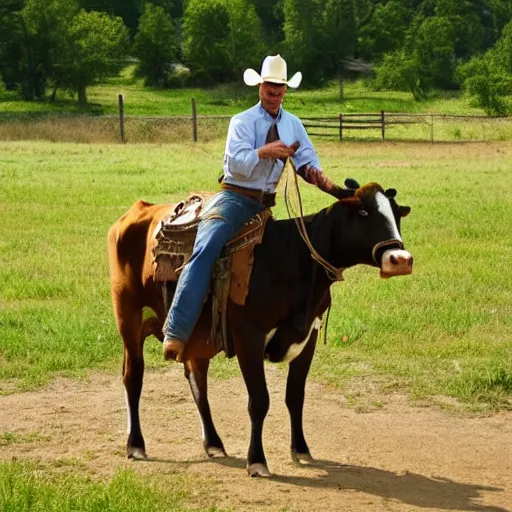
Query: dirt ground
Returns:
{"type": "Point", "coordinates": [398, 457]}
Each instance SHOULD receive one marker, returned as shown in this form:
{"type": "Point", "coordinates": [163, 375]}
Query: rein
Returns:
{"type": "Point", "coordinates": [334, 273]}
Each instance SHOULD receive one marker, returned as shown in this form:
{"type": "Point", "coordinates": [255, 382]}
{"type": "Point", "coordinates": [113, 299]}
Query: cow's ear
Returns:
{"type": "Point", "coordinates": [404, 211]}
{"type": "Point", "coordinates": [352, 183]}
{"type": "Point", "coordinates": [390, 192]}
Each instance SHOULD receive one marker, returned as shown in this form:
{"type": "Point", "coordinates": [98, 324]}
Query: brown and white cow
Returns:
{"type": "Point", "coordinates": [288, 294]}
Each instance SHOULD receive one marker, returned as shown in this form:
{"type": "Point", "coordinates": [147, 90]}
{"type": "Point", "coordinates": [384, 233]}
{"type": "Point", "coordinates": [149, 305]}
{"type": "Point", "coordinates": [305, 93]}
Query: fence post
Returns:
{"type": "Point", "coordinates": [194, 120]}
{"type": "Point", "coordinates": [432, 128]}
{"type": "Point", "coordinates": [121, 117]}
{"type": "Point", "coordinates": [382, 125]}
{"type": "Point", "coordinates": [341, 127]}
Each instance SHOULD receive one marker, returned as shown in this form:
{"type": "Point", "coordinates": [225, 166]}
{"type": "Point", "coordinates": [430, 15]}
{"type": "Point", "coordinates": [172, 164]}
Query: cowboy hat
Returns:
{"type": "Point", "coordinates": [273, 70]}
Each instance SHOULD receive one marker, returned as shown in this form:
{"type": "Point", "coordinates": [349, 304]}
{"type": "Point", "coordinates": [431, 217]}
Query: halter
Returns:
{"type": "Point", "coordinates": [386, 243]}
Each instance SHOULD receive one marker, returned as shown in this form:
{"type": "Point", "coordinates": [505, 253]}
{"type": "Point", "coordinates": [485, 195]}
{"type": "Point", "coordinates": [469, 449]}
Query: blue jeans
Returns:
{"type": "Point", "coordinates": [223, 216]}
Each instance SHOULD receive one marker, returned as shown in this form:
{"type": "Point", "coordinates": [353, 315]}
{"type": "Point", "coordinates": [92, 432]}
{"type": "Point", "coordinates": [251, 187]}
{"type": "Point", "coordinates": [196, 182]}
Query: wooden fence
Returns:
{"type": "Point", "coordinates": [342, 124]}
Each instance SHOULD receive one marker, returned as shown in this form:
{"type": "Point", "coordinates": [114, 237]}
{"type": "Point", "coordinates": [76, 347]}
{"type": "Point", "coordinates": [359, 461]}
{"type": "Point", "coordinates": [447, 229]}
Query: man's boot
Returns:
{"type": "Point", "coordinates": [173, 349]}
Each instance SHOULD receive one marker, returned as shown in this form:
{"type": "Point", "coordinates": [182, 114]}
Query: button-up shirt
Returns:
{"type": "Point", "coordinates": [247, 133]}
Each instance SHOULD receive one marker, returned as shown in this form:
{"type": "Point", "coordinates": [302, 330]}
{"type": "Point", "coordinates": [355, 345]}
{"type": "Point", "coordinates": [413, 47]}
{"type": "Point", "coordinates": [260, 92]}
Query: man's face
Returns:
{"type": "Point", "coordinates": [271, 96]}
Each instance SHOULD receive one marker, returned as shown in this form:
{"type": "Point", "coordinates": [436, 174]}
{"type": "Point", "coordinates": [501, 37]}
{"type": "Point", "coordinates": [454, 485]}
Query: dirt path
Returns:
{"type": "Point", "coordinates": [396, 458]}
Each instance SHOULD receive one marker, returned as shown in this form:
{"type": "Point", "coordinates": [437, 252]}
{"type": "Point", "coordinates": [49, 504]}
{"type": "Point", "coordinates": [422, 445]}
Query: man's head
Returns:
{"type": "Point", "coordinates": [271, 96]}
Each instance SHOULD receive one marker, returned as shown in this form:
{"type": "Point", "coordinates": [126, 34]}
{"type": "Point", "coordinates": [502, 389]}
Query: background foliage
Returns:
{"type": "Point", "coordinates": [411, 45]}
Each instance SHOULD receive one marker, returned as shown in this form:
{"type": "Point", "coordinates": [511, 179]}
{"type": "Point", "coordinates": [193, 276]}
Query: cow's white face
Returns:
{"type": "Point", "coordinates": [394, 261]}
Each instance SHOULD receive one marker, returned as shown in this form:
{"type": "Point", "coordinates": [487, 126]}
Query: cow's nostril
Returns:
{"type": "Point", "coordinates": [393, 260]}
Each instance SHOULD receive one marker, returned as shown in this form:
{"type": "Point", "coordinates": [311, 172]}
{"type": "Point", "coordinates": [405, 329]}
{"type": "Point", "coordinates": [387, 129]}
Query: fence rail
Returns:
{"type": "Point", "coordinates": [369, 126]}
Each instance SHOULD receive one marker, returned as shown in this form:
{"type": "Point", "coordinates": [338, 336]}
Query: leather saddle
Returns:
{"type": "Point", "coordinates": [174, 242]}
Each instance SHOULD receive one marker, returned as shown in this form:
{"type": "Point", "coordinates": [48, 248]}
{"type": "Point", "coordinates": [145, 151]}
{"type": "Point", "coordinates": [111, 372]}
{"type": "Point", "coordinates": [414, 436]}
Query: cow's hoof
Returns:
{"type": "Point", "coordinates": [215, 452]}
{"type": "Point", "coordinates": [302, 458]}
{"type": "Point", "coordinates": [258, 469]}
{"type": "Point", "coordinates": [136, 453]}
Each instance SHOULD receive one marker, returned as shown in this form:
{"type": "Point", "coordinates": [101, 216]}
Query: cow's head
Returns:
{"type": "Point", "coordinates": [372, 227]}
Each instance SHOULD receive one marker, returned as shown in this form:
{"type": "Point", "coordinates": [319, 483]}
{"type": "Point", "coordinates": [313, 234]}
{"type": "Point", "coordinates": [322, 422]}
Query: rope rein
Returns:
{"type": "Point", "coordinates": [334, 273]}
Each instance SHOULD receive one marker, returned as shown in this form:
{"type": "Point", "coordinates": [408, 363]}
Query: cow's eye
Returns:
{"type": "Point", "coordinates": [363, 213]}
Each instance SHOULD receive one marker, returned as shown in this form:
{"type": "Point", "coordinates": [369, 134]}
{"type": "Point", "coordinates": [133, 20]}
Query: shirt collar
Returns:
{"type": "Point", "coordinates": [267, 116]}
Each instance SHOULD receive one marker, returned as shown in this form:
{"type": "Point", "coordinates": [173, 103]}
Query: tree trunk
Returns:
{"type": "Point", "coordinates": [82, 95]}
{"type": "Point", "coordinates": [55, 87]}
{"type": "Point", "coordinates": [340, 82]}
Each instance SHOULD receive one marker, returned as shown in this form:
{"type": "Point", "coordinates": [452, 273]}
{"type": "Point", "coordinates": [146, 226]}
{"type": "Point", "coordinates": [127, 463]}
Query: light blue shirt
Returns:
{"type": "Point", "coordinates": [247, 133]}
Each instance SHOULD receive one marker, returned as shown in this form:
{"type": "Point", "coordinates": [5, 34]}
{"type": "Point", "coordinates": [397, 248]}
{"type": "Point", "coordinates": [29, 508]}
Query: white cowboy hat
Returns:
{"type": "Point", "coordinates": [273, 70]}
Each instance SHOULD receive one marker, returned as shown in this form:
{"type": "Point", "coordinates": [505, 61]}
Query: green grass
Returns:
{"type": "Point", "coordinates": [445, 330]}
{"type": "Point", "coordinates": [27, 487]}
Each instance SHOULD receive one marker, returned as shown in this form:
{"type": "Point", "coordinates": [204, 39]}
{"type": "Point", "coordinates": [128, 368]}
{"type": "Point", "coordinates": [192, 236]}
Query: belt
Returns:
{"type": "Point", "coordinates": [265, 198]}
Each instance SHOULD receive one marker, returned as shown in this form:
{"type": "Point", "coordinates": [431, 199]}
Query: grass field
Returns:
{"type": "Point", "coordinates": [445, 330]}
{"type": "Point", "coordinates": [443, 334]}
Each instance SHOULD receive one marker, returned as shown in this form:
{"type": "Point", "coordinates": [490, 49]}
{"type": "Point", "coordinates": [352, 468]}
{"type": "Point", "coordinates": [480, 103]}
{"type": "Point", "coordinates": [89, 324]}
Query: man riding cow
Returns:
{"type": "Point", "coordinates": [259, 142]}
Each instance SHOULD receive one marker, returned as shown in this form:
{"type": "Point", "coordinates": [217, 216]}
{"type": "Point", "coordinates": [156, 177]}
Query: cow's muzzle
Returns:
{"type": "Point", "coordinates": [392, 258]}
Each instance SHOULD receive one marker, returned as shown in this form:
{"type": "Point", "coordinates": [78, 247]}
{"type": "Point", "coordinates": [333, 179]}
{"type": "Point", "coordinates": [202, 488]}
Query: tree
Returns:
{"type": "Point", "coordinates": [47, 23]}
{"type": "Point", "coordinates": [220, 39]}
{"type": "Point", "coordinates": [426, 60]}
{"type": "Point", "coordinates": [488, 77]}
{"type": "Point", "coordinates": [155, 45]}
{"type": "Point", "coordinates": [305, 39]}
{"type": "Point", "coordinates": [271, 15]}
{"type": "Point", "coordinates": [13, 46]}
{"type": "Point", "coordinates": [385, 30]}
{"type": "Point", "coordinates": [128, 10]}
{"type": "Point", "coordinates": [341, 30]}
{"type": "Point", "coordinates": [96, 43]}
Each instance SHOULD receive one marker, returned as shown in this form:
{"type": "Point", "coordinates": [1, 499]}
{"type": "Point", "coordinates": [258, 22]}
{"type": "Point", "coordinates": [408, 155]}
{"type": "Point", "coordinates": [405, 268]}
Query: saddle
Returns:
{"type": "Point", "coordinates": [174, 242]}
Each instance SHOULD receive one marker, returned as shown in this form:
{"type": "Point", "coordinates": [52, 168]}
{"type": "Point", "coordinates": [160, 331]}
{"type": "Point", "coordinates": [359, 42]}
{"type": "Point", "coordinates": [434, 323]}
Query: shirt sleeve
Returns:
{"type": "Point", "coordinates": [240, 157]}
{"type": "Point", "coordinates": [306, 154]}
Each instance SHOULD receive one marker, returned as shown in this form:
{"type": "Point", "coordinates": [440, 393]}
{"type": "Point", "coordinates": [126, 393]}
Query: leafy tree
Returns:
{"type": "Point", "coordinates": [128, 10]}
{"type": "Point", "coordinates": [13, 44]}
{"type": "Point", "coordinates": [341, 31]}
{"type": "Point", "coordinates": [96, 43]}
{"type": "Point", "coordinates": [426, 60]}
{"type": "Point", "coordinates": [271, 15]}
{"type": "Point", "coordinates": [467, 29]}
{"type": "Point", "coordinates": [47, 23]}
{"type": "Point", "coordinates": [488, 78]}
{"type": "Point", "coordinates": [385, 30]}
{"type": "Point", "coordinates": [155, 45]}
{"type": "Point", "coordinates": [305, 39]}
{"type": "Point", "coordinates": [220, 39]}
{"type": "Point", "coordinates": [32, 36]}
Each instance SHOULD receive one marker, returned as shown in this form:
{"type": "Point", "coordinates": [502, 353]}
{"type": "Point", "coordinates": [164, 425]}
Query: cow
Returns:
{"type": "Point", "coordinates": [289, 292]}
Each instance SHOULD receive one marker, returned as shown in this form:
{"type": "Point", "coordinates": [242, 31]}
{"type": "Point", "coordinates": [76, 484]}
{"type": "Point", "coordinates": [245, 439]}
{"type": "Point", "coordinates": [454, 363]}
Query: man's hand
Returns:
{"type": "Point", "coordinates": [277, 149]}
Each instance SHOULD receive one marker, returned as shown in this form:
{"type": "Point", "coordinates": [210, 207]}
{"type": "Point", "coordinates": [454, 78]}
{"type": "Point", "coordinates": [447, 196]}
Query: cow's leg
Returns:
{"type": "Point", "coordinates": [196, 372]}
{"type": "Point", "coordinates": [295, 387]}
{"type": "Point", "coordinates": [130, 327]}
{"type": "Point", "coordinates": [249, 351]}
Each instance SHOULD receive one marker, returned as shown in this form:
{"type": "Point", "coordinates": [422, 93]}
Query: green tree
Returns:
{"type": "Point", "coordinates": [155, 45]}
{"type": "Point", "coordinates": [385, 30]}
{"type": "Point", "coordinates": [47, 23]}
{"type": "Point", "coordinates": [13, 45]}
{"type": "Point", "coordinates": [340, 26]}
{"type": "Point", "coordinates": [128, 10]}
{"type": "Point", "coordinates": [488, 78]}
{"type": "Point", "coordinates": [426, 60]}
{"type": "Point", "coordinates": [96, 44]}
{"type": "Point", "coordinates": [271, 15]}
{"type": "Point", "coordinates": [305, 39]}
{"type": "Point", "coordinates": [220, 39]}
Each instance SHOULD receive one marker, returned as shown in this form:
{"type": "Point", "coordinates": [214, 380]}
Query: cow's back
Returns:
{"type": "Point", "coordinates": [130, 242]}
